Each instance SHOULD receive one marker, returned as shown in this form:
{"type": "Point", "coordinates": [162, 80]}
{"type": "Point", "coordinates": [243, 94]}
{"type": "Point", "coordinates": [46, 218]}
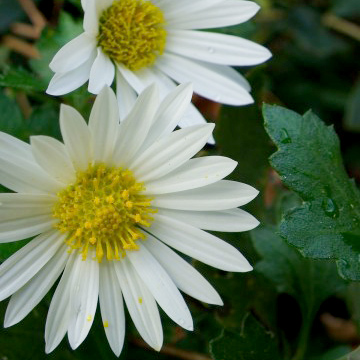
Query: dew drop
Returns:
{"type": "Point", "coordinates": [343, 264]}
{"type": "Point", "coordinates": [211, 50]}
{"type": "Point", "coordinates": [284, 136]}
{"type": "Point", "coordinates": [330, 208]}
{"type": "Point", "coordinates": [181, 322]}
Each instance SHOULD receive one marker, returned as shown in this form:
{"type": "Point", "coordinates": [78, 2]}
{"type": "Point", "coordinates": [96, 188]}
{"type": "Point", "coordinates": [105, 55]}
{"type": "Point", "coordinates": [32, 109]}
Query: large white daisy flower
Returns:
{"type": "Point", "coordinates": [146, 41]}
{"type": "Point", "coordinates": [106, 207]}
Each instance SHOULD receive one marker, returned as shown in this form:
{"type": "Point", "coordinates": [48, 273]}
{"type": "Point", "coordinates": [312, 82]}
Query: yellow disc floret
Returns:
{"type": "Point", "coordinates": [103, 209]}
{"type": "Point", "coordinates": [131, 32]}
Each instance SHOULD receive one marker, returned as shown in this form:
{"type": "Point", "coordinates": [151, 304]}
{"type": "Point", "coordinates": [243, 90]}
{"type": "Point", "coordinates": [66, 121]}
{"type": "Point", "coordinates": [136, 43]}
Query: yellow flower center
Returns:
{"type": "Point", "coordinates": [131, 32]}
{"type": "Point", "coordinates": [103, 209]}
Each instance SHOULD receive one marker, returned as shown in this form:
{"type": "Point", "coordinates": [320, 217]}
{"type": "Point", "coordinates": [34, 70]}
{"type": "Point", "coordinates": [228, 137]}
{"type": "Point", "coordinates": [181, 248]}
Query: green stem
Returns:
{"type": "Point", "coordinates": [303, 340]}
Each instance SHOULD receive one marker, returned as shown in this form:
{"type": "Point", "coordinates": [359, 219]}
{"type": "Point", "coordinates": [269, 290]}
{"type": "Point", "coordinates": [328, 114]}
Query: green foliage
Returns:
{"type": "Point", "coordinates": [21, 79]}
{"type": "Point", "coordinates": [251, 342]}
{"type": "Point", "coordinates": [309, 162]}
{"type": "Point", "coordinates": [11, 118]}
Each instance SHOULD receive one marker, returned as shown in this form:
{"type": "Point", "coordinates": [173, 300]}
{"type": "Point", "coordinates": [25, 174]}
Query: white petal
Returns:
{"type": "Point", "coordinates": [134, 128]}
{"type": "Point", "coordinates": [198, 244]}
{"type": "Point", "coordinates": [232, 220]}
{"type": "Point", "coordinates": [161, 286]}
{"type": "Point", "coordinates": [59, 312]}
{"type": "Point", "coordinates": [112, 307]}
{"type": "Point", "coordinates": [102, 73]}
{"type": "Point", "coordinates": [140, 303]}
{"type": "Point", "coordinates": [216, 48]}
{"type": "Point", "coordinates": [65, 82]}
{"type": "Point", "coordinates": [104, 124]}
{"type": "Point", "coordinates": [17, 206]}
{"type": "Point", "coordinates": [193, 174]}
{"type": "Point", "coordinates": [19, 268]}
{"type": "Point", "coordinates": [73, 54]}
{"type": "Point", "coordinates": [83, 298]}
{"type": "Point", "coordinates": [170, 152]}
{"type": "Point", "coordinates": [25, 299]}
{"type": "Point", "coordinates": [91, 20]}
{"type": "Point", "coordinates": [185, 8]}
{"type": "Point", "coordinates": [169, 113]}
{"type": "Point", "coordinates": [208, 79]}
{"type": "Point", "coordinates": [19, 170]}
{"type": "Point", "coordinates": [186, 278]}
{"type": "Point", "coordinates": [52, 156]}
{"type": "Point", "coordinates": [222, 195]}
{"type": "Point", "coordinates": [125, 95]}
{"type": "Point", "coordinates": [225, 13]}
{"type": "Point", "coordinates": [76, 135]}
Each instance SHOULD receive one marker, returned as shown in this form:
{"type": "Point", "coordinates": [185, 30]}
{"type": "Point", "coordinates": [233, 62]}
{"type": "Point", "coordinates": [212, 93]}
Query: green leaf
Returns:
{"type": "Point", "coordinates": [11, 118]}
{"type": "Point", "coordinates": [252, 342]}
{"type": "Point", "coordinates": [310, 282]}
{"type": "Point", "coordinates": [309, 162]}
{"type": "Point", "coordinates": [354, 355]}
{"type": "Point", "coordinates": [21, 79]}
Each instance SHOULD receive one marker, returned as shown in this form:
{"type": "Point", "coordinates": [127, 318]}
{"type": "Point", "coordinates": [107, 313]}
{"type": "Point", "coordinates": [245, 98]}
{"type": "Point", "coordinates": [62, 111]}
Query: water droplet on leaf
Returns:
{"type": "Point", "coordinates": [330, 207]}
{"type": "Point", "coordinates": [284, 136]}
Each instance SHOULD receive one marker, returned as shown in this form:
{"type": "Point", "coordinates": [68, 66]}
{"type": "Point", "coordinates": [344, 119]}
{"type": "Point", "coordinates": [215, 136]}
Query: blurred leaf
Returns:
{"type": "Point", "coordinates": [333, 354]}
{"type": "Point", "coordinates": [11, 118]}
{"type": "Point", "coordinates": [252, 342]}
{"type": "Point", "coordinates": [21, 79]}
{"type": "Point", "coordinates": [51, 41]}
{"type": "Point", "coordinates": [352, 299]}
{"type": "Point", "coordinates": [309, 162]}
{"type": "Point", "coordinates": [352, 112]}
{"type": "Point", "coordinates": [354, 355]}
{"type": "Point", "coordinates": [349, 8]}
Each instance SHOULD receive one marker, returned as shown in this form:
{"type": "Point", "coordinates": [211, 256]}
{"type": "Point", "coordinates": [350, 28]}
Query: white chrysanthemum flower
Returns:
{"type": "Point", "coordinates": [146, 41]}
{"type": "Point", "coordinates": [92, 201]}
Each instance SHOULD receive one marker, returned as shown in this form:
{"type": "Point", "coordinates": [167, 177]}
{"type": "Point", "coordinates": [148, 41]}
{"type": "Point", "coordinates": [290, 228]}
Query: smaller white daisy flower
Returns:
{"type": "Point", "coordinates": [106, 207]}
{"type": "Point", "coordinates": [146, 41]}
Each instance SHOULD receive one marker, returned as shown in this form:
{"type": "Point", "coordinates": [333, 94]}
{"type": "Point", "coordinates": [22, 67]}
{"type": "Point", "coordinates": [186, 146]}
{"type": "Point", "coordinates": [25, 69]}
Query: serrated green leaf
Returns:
{"type": "Point", "coordinates": [252, 342]}
{"type": "Point", "coordinates": [309, 281]}
{"type": "Point", "coordinates": [21, 79]}
{"type": "Point", "coordinates": [309, 162]}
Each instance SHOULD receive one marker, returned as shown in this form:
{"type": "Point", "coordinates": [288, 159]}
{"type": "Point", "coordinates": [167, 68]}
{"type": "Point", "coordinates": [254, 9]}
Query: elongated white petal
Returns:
{"type": "Point", "coordinates": [76, 135]}
{"type": "Point", "coordinates": [198, 244]}
{"type": "Point", "coordinates": [83, 298]}
{"type": "Point", "coordinates": [125, 95]}
{"type": "Point", "coordinates": [216, 48]}
{"type": "Point", "coordinates": [18, 206]}
{"type": "Point", "coordinates": [102, 73]}
{"type": "Point", "coordinates": [103, 125]}
{"type": "Point", "coordinates": [186, 278]}
{"type": "Point", "coordinates": [58, 317]}
{"type": "Point", "coordinates": [142, 78]}
{"type": "Point", "coordinates": [208, 79]}
{"type": "Point", "coordinates": [161, 286]}
{"type": "Point", "coordinates": [232, 220]}
{"type": "Point", "coordinates": [135, 126]}
{"type": "Point", "coordinates": [169, 113]}
{"type": "Point", "coordinates": [170, 152]}
{"type": "Point", "coordinates": [91, 20]}
{"type": "Point", "coordinates": [73, 54]}
{"type": "Point", "coordinates": [19, 268]}
{"type": "Point", "coordinates": [65, 82]}
{"type": "Point", "coordinates": [185, 8]}
{"type": "Point", "coordinates": [22, 228]}
{"type": "Point", "coordinates": [52, 156]}
{"type": "Point", "coordinates": [112, 307]}
{"type": "Point", "coordinates": [225, 13]}
{"type": "Point", "coordinates": [140, 303]}
{"type": "Point", "coordinates": [193, 174]}
{"type": "Point", "coordinates": [221, 195]}
{"type": "Point", "coordinates": [20, 172]}
{"type": "Point", "coordinates": [25, 299]}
